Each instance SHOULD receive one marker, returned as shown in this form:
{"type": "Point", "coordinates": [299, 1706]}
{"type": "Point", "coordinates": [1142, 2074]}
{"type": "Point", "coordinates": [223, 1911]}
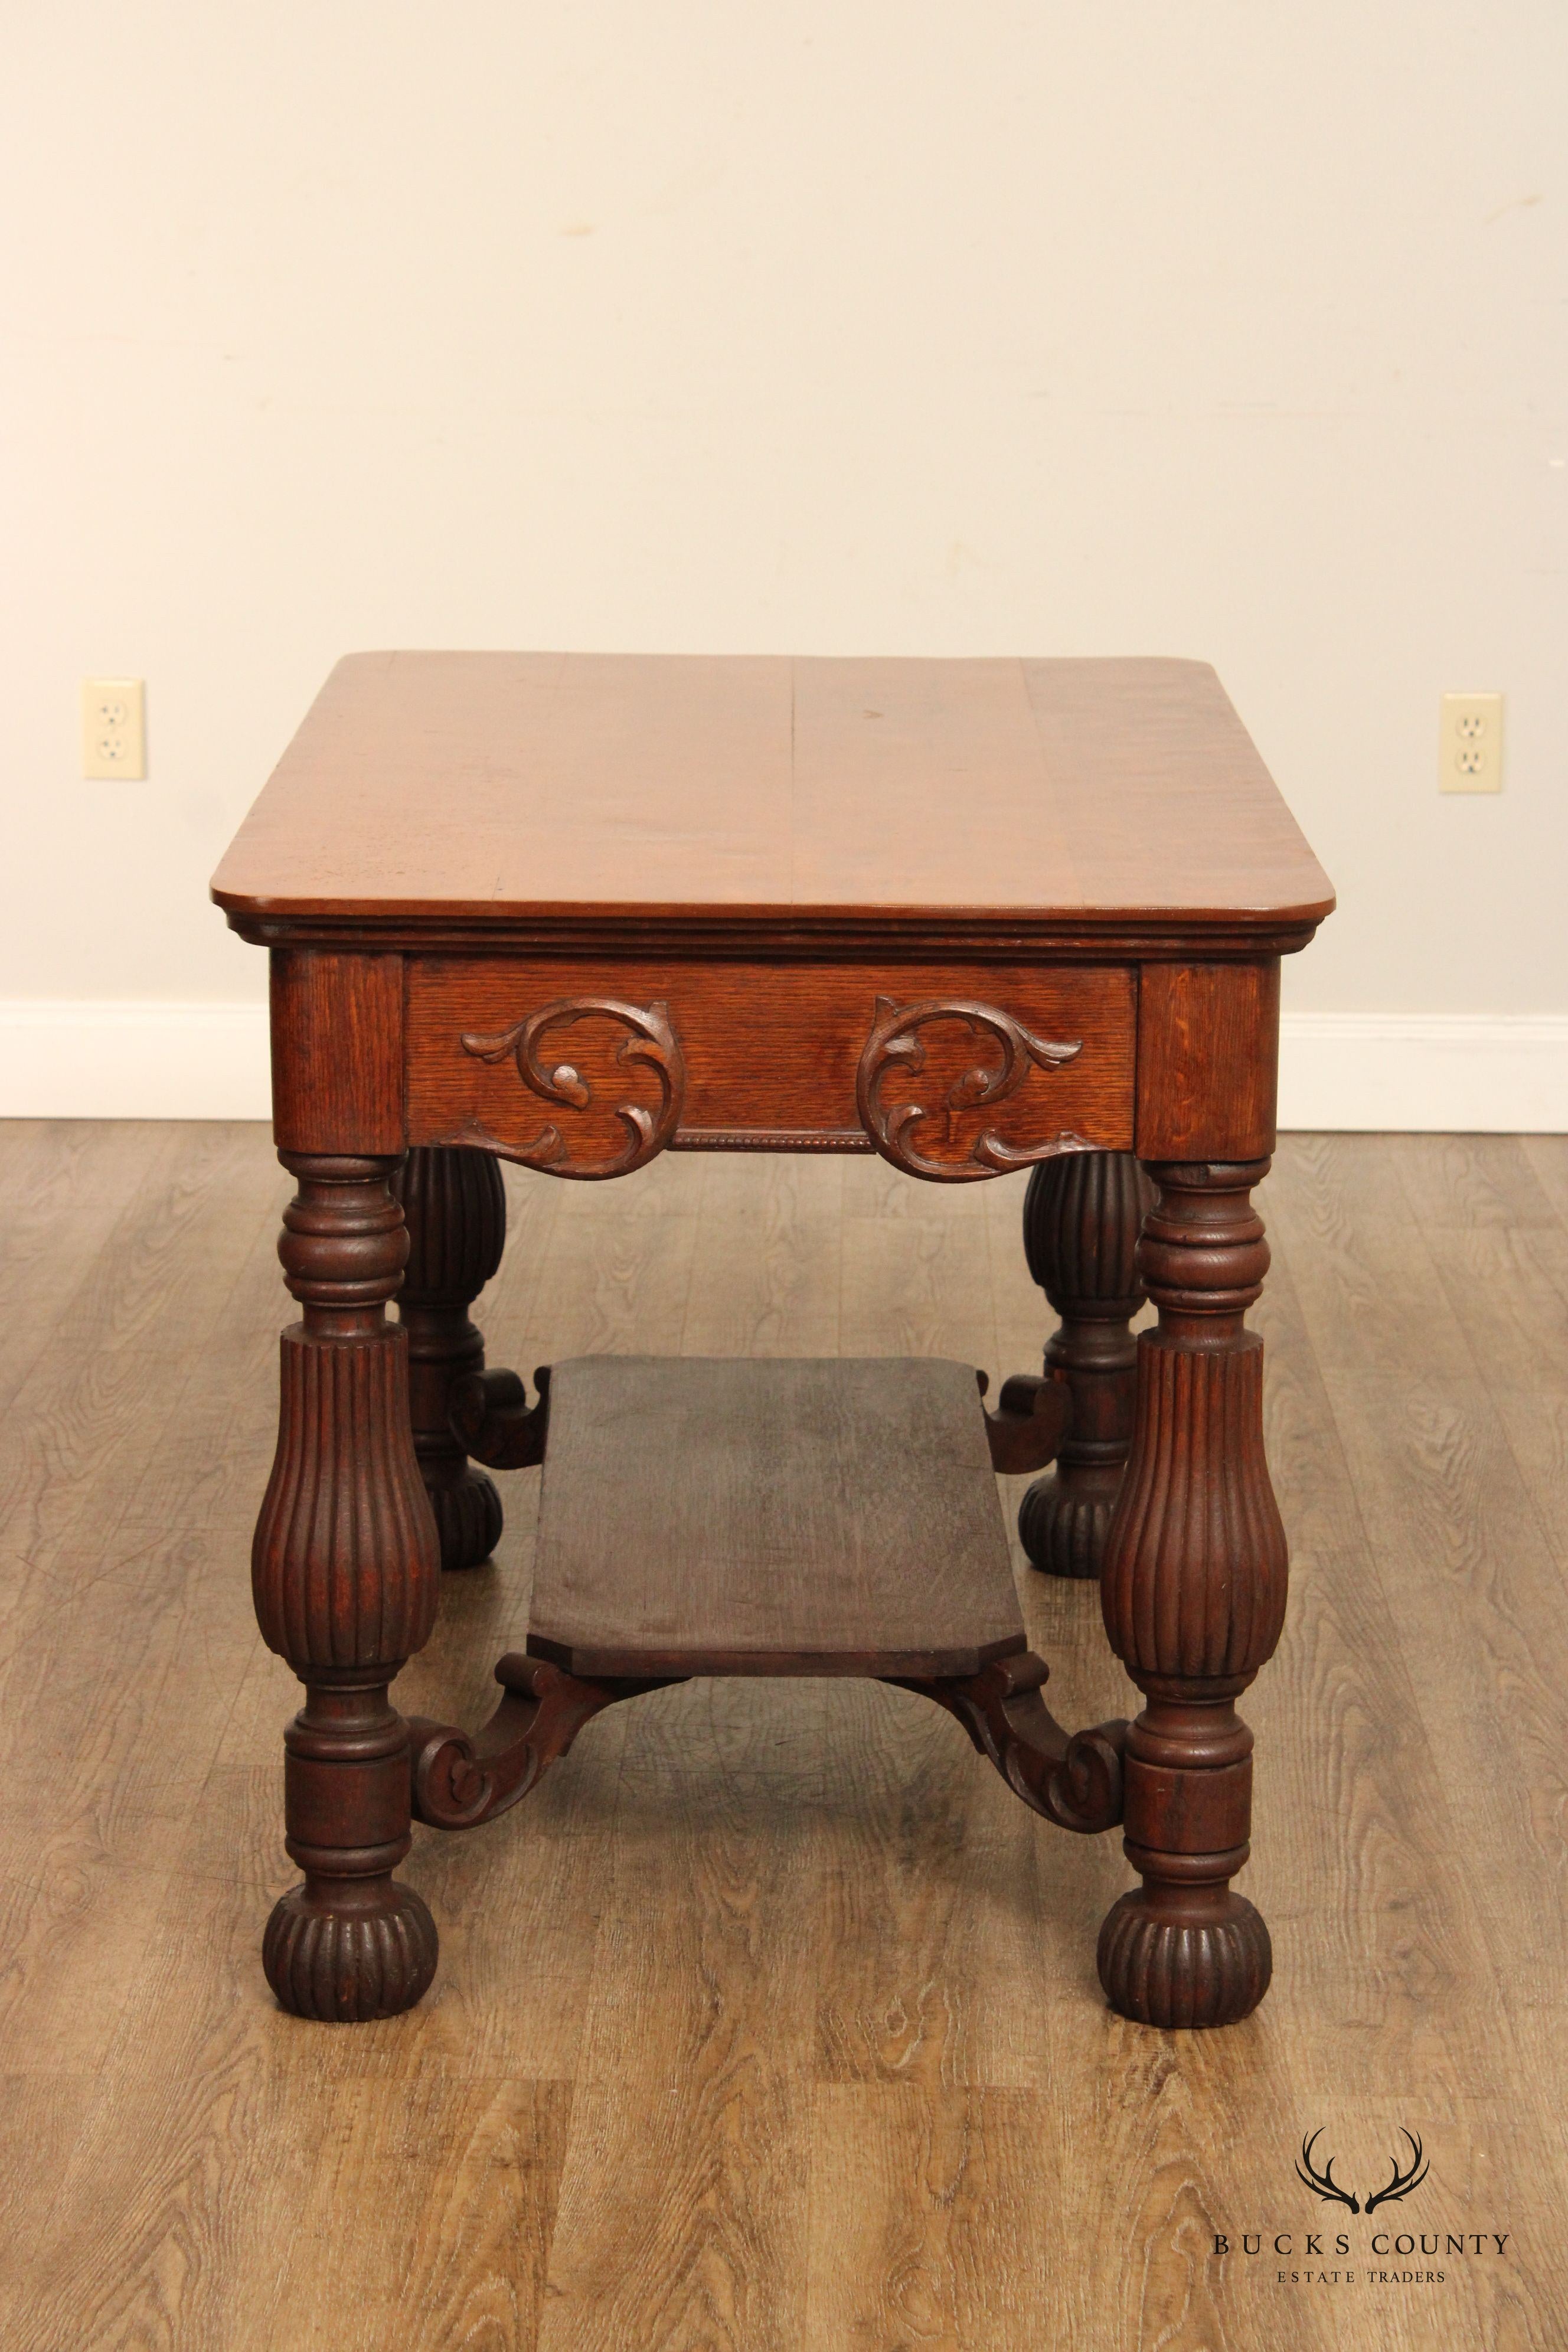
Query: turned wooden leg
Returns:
{"type": "Point", "coordinates": [1081, 1218]}
{"type": "Point", "coordinates": [344, 1570]}
{"type": "Point", "coordinates": [1193, 1594]}
{"type": "Point", "coordinates": [456, 1207]}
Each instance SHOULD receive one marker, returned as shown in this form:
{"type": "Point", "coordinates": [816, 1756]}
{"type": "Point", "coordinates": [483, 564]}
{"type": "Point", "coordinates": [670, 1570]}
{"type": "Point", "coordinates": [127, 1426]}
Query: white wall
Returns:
{"type": "Point", "coordinates": [1188, 326]}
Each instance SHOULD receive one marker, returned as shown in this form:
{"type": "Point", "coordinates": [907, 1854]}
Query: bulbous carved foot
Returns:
{"type": "Point", "coordinates": [1186, 1966]}
{"type": "Point", "coordinates": [1063, 1530]}
{"type": "Point", "coordinates": [345, 1963]}
{"type": "Point", "coordinates": [468, 1513]}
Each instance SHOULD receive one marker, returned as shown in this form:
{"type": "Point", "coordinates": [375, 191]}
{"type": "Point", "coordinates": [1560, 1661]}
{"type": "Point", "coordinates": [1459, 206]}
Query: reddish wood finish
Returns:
{"type": "Point", "coordinates": [1208, 1051]}
{"type": "Point", "coordinates": [1082, 1222]}
{"type": "Point", "coordinates": [772, 1053]}
{"type": "Point", "coordinates": [1022, 806]}
{"type": "Point", "coordinates": [459, 1782]}
{"type": "Point", "coordinates": [1074, 1781]}
{"type": "Point", "coordinates": [1194, 1594]}
{"type": "Point", "coordinates": [337, 1051]}
{"type": "Point", "coordinates": [343, 1568]}
{"type": "Point", "coordinates": [454, 1206]}
{"type": "Point", "coordinates": [976, 915]}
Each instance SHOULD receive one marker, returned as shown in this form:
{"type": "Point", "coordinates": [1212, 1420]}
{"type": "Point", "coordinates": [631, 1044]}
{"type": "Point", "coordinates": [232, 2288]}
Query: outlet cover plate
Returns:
{"type": "Point", "coordinates": [1470, 743]}
{"type": "Point", "coordinates": [113, 728]}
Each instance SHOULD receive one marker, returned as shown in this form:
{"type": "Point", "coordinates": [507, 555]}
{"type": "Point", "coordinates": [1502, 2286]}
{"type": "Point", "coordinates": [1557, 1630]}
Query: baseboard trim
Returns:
{"type": "Point", "coordinates": [120, 1059]}
{"type": "Point", "coordinates": [1425, 1073]}
{"type": "Point", "coordinates": [1460, 1073]}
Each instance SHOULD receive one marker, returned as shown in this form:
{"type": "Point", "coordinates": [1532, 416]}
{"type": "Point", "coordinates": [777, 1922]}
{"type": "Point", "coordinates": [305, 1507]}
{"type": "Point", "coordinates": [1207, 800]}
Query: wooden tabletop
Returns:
{"type": "Point", "coordinates": [493, 790]}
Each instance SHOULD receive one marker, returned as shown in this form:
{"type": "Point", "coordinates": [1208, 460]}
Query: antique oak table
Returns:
{"type": "Point", "coordinates": [574, 910]}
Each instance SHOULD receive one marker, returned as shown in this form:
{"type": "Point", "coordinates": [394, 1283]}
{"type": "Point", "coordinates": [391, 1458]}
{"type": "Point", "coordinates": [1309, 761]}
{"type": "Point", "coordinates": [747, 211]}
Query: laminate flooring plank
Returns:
{"type": "Point", "coordinates": [1478, 1599]}
{"type": "Point", "coordinates": [1167, 2143]}
{"type": "Point", "coordinates": [1507, 1288]}
{"type": "Point", "coordinates": [118, 1683]}
{"type": "Point", "coordinates": [873, 1187]}
{"type": "Point", "coordinates": [1535, 1421]}
{"type": "Point", "coordinates": [766, 1270]}
{"type": "Point", "coordinates": [931, 1922]}
{"type": "Point", "coordinates": [127, 1346]}
{"type": "Point", "coordinates": [682, 2222]}
{"type": "Point", "coordinates": [170, 2222]}
{"type": "Point", "coordinates": [613, 1285]}
{"type": "Point", "coordinates": [40, 2116]}
{"type": "Point", "coordinates": [1357, 1861]}
{"type": "Point", "coordinates": [1471, 1180]}
{"type": "Point", "coordinates": [456, 2267]}
{"type": "Point", "coordinates": [916, 1285]}
{"type": "Point", "coordinates": [923, 2200]}
{"type": "Point", "coordinates": [197, 2211]}
{"type": "Point", "coordinates": [1372, 1303]}
{"type": "Point", "coordinates": [135, 1575]}
{"type": "Point", "coordinates": [63, 1187]}
{"type": "Point", "coordinates": [1548, 1158]}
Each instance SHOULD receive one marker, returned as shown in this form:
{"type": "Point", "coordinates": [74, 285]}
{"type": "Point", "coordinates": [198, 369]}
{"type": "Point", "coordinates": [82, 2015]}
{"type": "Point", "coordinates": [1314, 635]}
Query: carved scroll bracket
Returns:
{"type": "Point", "coordinates": [460, 1781]}
{"type": "Point", "coordinates": [895, 1047]}
{"type": "Point", "coordinates": [1074, 1779]}
{"type": "Point", "coordinates": [493, 1421]}
{"type": "Point", "coordinates": [1032, 1418]}
{"type": "Point", "coordinates": [652, 1043]}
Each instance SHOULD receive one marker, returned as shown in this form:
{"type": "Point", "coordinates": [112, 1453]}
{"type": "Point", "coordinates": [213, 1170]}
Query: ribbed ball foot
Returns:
{"type": "Point", "coordinates": [346, 1966]}
{"type": "Point", "coordinates": [1159, 1969]}
{"type": "Point", "coordinates": [1062, 1533]}
{"type": "Point", "coordinates": [468, 1519]}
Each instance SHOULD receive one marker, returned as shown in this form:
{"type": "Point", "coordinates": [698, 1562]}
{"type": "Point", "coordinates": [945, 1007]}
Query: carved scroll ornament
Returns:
{"type": "Point", "coordinates": [460, 1780]}
{"type": "Point", "coordinates": [652, 1042]}
{"type": "Point", "coordinates": [1074, 1779]}
{"type": "Point", "coordinates": [895, 1045]}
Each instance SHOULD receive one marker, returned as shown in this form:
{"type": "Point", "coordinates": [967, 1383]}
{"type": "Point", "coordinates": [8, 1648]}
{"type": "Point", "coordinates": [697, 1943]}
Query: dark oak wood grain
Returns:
{"type": "Point", "coordinates": [707, 1516]}
{"type": "Point", "coordinates": [1082, 1215]}
{"type": "Point", "coordinates": [454, 1205]}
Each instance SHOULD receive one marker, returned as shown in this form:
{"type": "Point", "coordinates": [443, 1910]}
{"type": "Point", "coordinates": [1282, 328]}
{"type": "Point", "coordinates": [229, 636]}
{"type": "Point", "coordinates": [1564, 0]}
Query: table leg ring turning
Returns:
{"type": "Point", "coordinates": [346, 1568]}
{"type": "Point", "coordinates": [1194, 1595]}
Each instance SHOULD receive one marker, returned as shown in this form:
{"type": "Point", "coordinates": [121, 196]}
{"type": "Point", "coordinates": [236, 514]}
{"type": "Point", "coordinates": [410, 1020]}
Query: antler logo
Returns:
{"type": "Point", "coordinates": [1323, 2184]}
{"type": "Point", "coordinates": [1403, 2182]}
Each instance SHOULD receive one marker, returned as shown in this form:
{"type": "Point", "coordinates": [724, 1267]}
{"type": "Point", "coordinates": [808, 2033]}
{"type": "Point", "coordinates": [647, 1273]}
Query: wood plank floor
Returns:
{"type": "Point", "coordinates": [770, 2023]}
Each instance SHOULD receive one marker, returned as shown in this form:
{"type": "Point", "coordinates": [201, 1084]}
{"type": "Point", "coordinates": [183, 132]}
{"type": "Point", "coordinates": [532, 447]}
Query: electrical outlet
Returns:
{"type": "Point", "coordinates": [1469, 756]}
{"type": "Point", "coordinates": [113, 727]}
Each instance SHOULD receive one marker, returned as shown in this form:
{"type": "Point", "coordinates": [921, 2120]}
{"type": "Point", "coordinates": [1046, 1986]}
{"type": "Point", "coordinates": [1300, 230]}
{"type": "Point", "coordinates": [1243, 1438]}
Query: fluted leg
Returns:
{"type": "Point", "coordinates": [1194, 1592]}
{"type": "Point", "coordinates": [455, 1208]}
{"type": "Point", "coordinates": [344, 1570]}
{"type": "Point", "coordinates": [1081, 1219]}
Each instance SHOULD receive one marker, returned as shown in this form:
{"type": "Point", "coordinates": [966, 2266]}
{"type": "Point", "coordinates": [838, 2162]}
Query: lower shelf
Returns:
{"type": "Point", "coordinates": [723, 1515]}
